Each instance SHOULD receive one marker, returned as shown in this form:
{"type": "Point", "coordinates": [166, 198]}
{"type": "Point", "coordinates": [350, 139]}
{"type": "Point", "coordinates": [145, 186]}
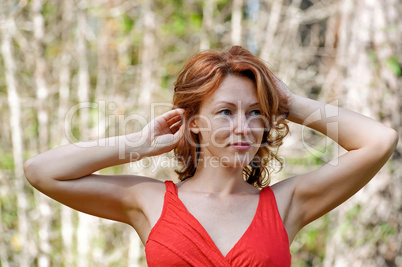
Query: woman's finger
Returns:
{"type": "Point", "coordinates": [175, 127]}
{"type": "Point", "coordinates": [169, 118]}
{"type": "Point", "coordinates": [178, 134]}
{"type": "Point", "coordinates": [174, 119]}
{"type": "Point", "coordinates": [175, 113]}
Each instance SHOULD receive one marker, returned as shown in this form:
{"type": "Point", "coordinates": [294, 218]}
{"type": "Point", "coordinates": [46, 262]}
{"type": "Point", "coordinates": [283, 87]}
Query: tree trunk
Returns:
{"type": "Point", "coordinates": [367, 228]}
{"type": "Point", "coordinates": [207, 17]}
{"type": "Point", "coordinates": [135, 253]}
{"type": "Point", "coordinates": [272, 26]}
{"type": "Point", "coordinates": [66, 216]}
{"type": "Point", "coordinates": [3, 246]}
{"type": "Point", "coordinates": [43, 119]}
{"type": "Point", "coordinates": [148, 50]}
{"type": "Point", "coordinates": [24, 258]}
{"type": "Point", "coordinates": [253, 7]}
{"type": "Point", "coordinates": [84, 229]}
{"type": "Point", "coordinates": [236, 21]}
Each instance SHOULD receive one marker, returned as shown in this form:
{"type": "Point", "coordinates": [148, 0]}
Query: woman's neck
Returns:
{"type": "Point", "coordinates": [215, 178]}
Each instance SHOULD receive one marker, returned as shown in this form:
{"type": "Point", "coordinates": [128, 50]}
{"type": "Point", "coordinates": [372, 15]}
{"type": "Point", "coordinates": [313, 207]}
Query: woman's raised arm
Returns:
{"type": "Point", "coordinates": [66, 173]}
{"type": "Point", "coordinates": [369, 144]}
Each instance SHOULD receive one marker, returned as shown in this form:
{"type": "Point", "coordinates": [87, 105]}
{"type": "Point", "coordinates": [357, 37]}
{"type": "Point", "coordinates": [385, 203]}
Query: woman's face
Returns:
{"type": "Point", "coordinates": [229, 124]}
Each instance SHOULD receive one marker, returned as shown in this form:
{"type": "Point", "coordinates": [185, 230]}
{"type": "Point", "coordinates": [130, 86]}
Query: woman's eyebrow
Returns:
{"type": "Point", "coordinates": [233, 104]}
{"type": "Point", "coordinates": [255, 104]}
{"type": "Point", "coordinates": [226, 102]}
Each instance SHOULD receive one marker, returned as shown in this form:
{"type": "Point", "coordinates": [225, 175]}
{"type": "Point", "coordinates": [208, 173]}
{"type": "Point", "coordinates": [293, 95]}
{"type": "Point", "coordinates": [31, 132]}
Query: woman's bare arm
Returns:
{"type": "Point", "coordinates": [66, 173]}
{"type": "Point", "coordinates": [369, 144]}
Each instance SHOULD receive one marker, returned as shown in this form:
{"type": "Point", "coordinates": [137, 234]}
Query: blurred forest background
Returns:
{"type": "Point", "coordinates": [117, 57]}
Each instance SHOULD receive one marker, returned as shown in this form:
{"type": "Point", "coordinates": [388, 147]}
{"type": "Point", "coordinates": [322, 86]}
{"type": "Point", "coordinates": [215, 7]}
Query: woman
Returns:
{"type": "Point", "coordinates": [229, 121]}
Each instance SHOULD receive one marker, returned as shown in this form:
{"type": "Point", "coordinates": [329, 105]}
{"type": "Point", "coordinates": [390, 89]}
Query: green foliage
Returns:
{"type": "Point", "coordinates": [304, 161]}
{"type": "Point", "coordinates": [113, 170]}
{"type": "Point", "coordinates": [94, 114]}
{"type": "Point", "coordinates": [394, 66]}
{"type": "Point", "coordinates": [387, 229]}
{"type": "Point", "coordinates": [126, 23]}
{"type": "Point", "coordinates": [49, 8]}
{"type": "Point", "coordinates": [9, 217]}
{"type": "Point", "coordinates": [196, 20]}
{"type": "Point", "coordinates": [392, 63]}
{"type": "Point", "coordinates": [180, 24]}
{"type": "Point", "coordinates": [351, 233]}
{"type": "Point", "coordinates": [346, 228]}
{"type": "Point", "coordinates": [311, 159]}
{"type": "Point", "coordinates": [7, 160]}
{"type": "Point", "coordinates": [165, 81]}
{"type": "Point", "coordinates": [75, 133]}
{"type": "Point", "coordinates": [183, 21]}
{"type": "Point", "coordinates": [308, 249]}
{"type": "Point", "coordinates": [373, 59]}
{"type": "Point", "coordinates": [3, 88]}
{"type": "Point", "coordinates": [176, 26]}
{"type": "Point", "coordinates": [353, 212]}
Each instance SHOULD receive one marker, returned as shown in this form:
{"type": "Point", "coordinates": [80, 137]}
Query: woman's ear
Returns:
{"type": "Point", "coordinates": [193, 127]}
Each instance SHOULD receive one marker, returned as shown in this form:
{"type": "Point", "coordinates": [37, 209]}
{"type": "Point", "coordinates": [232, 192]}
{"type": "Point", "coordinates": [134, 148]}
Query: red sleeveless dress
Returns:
{"type": "Point", "coordinates": [178, 239]}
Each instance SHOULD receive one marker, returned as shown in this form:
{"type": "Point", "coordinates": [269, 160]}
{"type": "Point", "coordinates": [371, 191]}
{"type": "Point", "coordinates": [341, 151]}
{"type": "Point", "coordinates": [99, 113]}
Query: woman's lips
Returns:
{"type": "Point", "coordinates": [241, 146]}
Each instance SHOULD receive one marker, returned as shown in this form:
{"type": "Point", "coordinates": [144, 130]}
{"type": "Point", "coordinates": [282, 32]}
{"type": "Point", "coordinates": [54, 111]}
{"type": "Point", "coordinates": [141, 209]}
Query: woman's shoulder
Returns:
{"type": "Point", "coordinates": [149, 194]}
{"type": "Point", "coordinates": [144, 190]}
{"type": "Point", "coordinates": [283, 192]}
{"type": "Point", "coordinates": [149, 186]}
{"type": "Point", "coordinates": [283, 188]}
{"type": "Point", "coordinates": [151, 190]}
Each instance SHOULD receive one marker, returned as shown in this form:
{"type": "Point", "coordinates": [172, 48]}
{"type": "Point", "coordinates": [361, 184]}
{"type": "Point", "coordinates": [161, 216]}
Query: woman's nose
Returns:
{"type": "Point", "coordinates": [241, 125]}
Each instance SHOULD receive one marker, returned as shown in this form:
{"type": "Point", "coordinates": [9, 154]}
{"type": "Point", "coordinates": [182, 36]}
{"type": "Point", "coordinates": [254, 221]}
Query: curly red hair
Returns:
{"type": "Point", "coordinates": [200, 77]}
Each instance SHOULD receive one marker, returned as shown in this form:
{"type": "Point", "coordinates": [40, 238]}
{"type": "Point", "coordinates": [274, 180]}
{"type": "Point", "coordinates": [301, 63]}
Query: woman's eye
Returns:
{"type": "Point", "coordinates": [224, 112]}
{"type": "Point", "coordinates": [255, 112]}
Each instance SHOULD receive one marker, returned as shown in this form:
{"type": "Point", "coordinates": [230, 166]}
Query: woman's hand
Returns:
{"type": "Point", "coordinates": [164, 132]}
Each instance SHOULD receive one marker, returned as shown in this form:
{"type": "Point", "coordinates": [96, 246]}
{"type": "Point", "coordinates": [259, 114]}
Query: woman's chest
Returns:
{"type": "Point", "coordinates": [225, 221]}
